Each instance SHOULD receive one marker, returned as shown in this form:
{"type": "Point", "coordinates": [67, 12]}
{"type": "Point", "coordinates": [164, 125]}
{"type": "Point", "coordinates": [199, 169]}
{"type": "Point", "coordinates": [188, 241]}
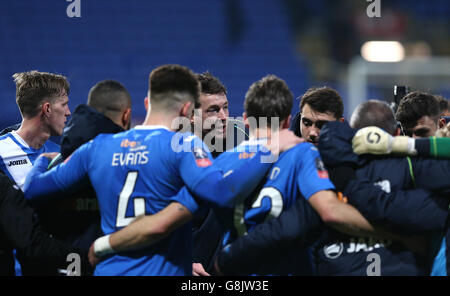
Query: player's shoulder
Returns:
{"type": "Point", "coordinates": [254, 145]}
{"type": "Point", "coordinates": [5, 140]}
{"type": "Point", "coordinates": [51, 146]}
{"type": "Point", "coordinates": [11, 145]}
{"type": "Point", "coordinates": [297, 154]}
{"type": "Point", "coordinates": [302, 148]}
{"type": "Point", "coordinates": [6, 136]}
{"type": "Point", "coordinates": [244, 150]}
{"type": "Point", "coordinates": [188, 137]}
{"type": "Point", "coordinates": [128, 134]}
{"type": "Point", "coordinates": [186, 142]}
{"type": "Point", "coordinates": [101, 138]}
{"type": "Point", "coordinates": [226, 156]}
{"type": "Point", "coordinates": [101, 141]}
{"type": "Point", "coordinates": [149, 130]}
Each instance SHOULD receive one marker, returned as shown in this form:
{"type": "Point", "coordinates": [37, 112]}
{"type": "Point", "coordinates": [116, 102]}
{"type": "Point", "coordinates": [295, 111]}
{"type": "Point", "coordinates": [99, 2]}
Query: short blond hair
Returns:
{"type": "Point", "coordinates": [33, 87]}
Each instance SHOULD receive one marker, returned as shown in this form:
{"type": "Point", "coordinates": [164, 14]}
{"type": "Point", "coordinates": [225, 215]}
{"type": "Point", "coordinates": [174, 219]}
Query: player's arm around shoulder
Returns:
{"type": "Point", "coordinates": [152, 228]}
{"type": "Point", "coordinates": [339, 214]}
{"type": "Point", "coordinates": [40, 182]}
{"type": "Point", "coordinates": [326, 203]}
{"type": "Point", "coordinates": [144, 231]}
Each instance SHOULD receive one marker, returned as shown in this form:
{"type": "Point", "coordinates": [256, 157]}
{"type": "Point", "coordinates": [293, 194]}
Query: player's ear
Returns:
{"type": "Point", "coordinates": [126, 119]}
{"type": "Point", "coordinates": [146, 103]}
{"type": "Point", "coordinates": [186, 109]}
{"type": "Point", "coordinates": [46, 109]}
{"type": "Point", "coordinates": [342, 119]}
{"type": "Point", "coordinates": [398, 132]}
{"type": "Point", "coordinates": [244, 115]}
{"type": "Point", "coordinates": [286, 122]}
{"type": "Point", "coordinates": [441, 122]}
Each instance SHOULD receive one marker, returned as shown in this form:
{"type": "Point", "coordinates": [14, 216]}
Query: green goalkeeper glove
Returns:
{"type": "Point", "coordinates": [374, 140]}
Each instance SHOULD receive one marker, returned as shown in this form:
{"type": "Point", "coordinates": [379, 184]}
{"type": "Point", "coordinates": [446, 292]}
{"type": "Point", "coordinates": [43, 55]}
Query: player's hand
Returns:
{"type": "Point", "coordinates": [93, 259]}
{"type": "Point", "coordinates": [198, 270]}
{"type": "Point", "coordinates": [49, 155]}
{"type": "Point", "coordinates": [372, 140]}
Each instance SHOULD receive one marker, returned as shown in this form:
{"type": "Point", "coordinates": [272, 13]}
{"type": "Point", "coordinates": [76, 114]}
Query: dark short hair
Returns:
{"type": "Point", "coordinates": [268, 97]}
{"type": "Point", "coordinates": [109, 96]}
{"type": "Point", "coordinates": [323, 100]}
{"type": "Point", "coordinates": [33, 87]}
{"type": "Point", "coordinates": [169, 84]}
{"type": "Point", "coordinates": [414, 106]}
{"type": "Point", "coordinates": [210, 84]}
{"type": "Point", "coordinates": [374, 113]}
{"type": "Point", "coordinates": [443, 103]}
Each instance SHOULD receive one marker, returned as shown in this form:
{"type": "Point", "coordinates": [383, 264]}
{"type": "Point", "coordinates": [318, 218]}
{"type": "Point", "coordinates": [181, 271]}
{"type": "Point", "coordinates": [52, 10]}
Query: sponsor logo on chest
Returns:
{"type": "Point", "coordinates": [17, 162]}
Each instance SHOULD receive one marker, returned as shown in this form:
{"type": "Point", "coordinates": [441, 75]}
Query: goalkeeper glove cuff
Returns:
{"type": "Point", "coordinates": [403, 145]}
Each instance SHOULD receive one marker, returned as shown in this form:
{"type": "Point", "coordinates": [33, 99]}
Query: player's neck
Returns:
{"type": "Point", "coordinates": [33, 132]}
{"type": "Point", "coordinates": [260, 133]}
{"type": "Point", "coordinates": [161, 118]}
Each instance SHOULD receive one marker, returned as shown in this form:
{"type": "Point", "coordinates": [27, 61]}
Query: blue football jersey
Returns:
{"type": "Point", "coordinates": [137, 172]}
{"type": "Point", "coordinates": [140, 172]}
{"type": "Point", "coordinates": [298, 173]}
{"type": "Point", "coordinates": [230, 160]}
{"type": "Point", "coordinates": [17, 158]}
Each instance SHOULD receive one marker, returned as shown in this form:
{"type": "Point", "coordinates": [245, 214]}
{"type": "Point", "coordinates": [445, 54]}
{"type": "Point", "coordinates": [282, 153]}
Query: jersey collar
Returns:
{"type": "Point", "coordinates": [150, 127]}
{"type": "Point", "coordinates": [19, 139]}
{"type": "Point", "coordinates": [259, 141]}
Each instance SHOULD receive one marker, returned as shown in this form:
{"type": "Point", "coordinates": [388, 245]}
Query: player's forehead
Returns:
{"type": "Point", "coordinates": [209, 100]}
{"type": "Point", "coordinates": [425, 126]}
{"type": "Point", "coordinates": [426, 121]}
{"type": "Point", "coordinates": [311, 114]}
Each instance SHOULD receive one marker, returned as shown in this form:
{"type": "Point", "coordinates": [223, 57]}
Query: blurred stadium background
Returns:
{"type": "Point", "coordinates": [306, 42]}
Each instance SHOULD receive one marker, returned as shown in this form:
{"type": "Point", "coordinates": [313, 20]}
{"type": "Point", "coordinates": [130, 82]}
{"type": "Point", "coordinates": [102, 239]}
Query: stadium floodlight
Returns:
{"type": "Point", "coordinates": [383, 51]}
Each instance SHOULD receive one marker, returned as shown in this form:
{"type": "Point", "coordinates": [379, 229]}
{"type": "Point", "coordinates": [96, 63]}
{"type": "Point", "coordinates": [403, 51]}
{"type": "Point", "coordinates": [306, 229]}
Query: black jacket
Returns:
{"type": "Point", "coordinates": [20, 230]}
{"type": "Point", "coordinates": [295, 125]}
{"type": "Point", "coordinates": [420, 211]}
{"type": "Point", "coordinates": [84, 125]}
{"type": "Point", "coordinates": [296, 228]}
{"type": "Point", "coordinates": [299, 225]}
{"type": "Point", "coordinates": [426, 212]}
{"type": "Point", "coordinates": [10, 129]}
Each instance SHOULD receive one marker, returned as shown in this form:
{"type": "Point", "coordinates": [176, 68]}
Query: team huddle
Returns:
{"type": "Point", "coordinates": [192, 191]}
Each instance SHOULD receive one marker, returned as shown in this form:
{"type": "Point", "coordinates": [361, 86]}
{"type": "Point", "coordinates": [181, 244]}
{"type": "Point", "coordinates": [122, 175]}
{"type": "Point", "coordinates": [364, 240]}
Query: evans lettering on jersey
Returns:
{"type": "Point", "coordinates": [201, 157]}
